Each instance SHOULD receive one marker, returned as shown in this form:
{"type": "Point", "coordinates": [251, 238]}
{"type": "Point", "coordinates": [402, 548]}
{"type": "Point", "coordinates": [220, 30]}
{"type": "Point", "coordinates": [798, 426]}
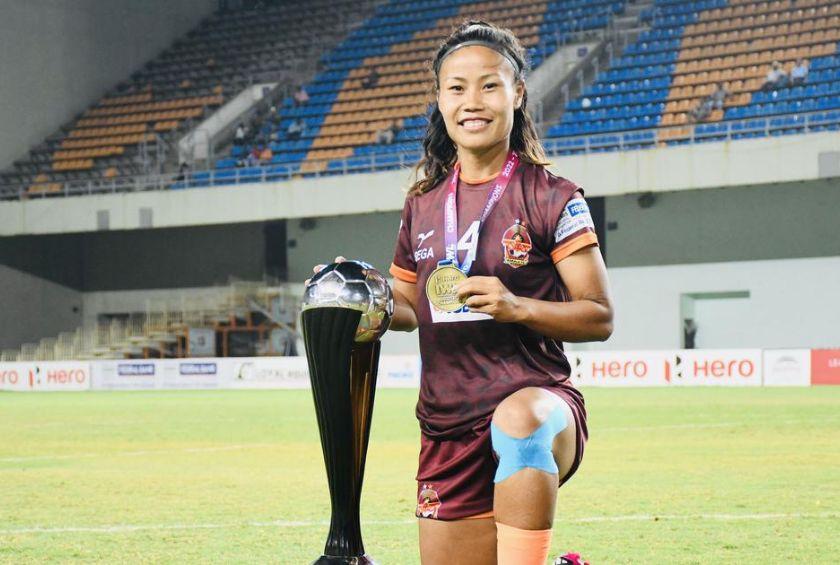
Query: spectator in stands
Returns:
{"type": "Point", "coordinates": [266, 155]}
{"type": "Point", "coordinates": [388, 134]}
{"type": "Point", "coordinates": [252, 129]}
{"type": "Point", "coordinates": [776, 78]}
{"type": "Point", "coordinates": [183, 171]}
{"type": "Point", "coordinates": [301, 96]}
{"type": "Point", "coordinates": [799, 72]}
{"type": "Point", "coordinates": [701, 111]}
{"type": "Point", "coordinates": [239, 136]}
{"type": "Point", "coordinates": [396, 127]}
{"type": "Point", "coordinates": [713, 101]}
{"type": "Point", "coordinates": [385, 136]}
{"type": "Point", "coordinates": [718, 97]}
{"type": "Point", "coordinates": [371, 79]}
{"type": "Point", "coordinates": [253, 158]}
{"type": "Point", "coordinates": [295, 129]}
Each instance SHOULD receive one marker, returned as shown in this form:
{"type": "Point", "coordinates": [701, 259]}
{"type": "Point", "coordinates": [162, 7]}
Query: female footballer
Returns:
{"type": "Point", "coordinates": [496, 263]}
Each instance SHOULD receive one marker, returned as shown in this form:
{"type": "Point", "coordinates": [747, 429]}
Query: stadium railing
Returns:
{"type": "Point", "coordinates": [769, 126]}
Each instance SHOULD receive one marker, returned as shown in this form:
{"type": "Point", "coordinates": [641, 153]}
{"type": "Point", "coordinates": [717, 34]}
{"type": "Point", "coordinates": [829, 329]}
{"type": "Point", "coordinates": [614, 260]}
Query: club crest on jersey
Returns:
{"type": "Point", "coordinates": [517, 244]}
{"type": "Point", "coordinates": [428, 502]}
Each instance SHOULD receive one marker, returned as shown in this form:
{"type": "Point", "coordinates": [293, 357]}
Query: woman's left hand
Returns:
{"type": "Point", "coordinates": [489, 296]}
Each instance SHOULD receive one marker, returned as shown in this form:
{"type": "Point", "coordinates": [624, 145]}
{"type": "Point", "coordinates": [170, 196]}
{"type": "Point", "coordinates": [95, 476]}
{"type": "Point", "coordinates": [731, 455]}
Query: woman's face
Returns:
{"type": "Point", "coordinates": [477, 97]}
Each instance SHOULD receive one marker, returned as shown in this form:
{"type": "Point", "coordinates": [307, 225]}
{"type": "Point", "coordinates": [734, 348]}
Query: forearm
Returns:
{"type": "Point", "coordinates": [576, 321]}
{"type": "Point", "coordinates": [405, 318]}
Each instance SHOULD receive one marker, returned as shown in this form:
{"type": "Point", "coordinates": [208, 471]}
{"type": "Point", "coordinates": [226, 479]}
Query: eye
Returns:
{"type": "Point", "coordinates": [490, 85]}
{"type": "Point", "coordinates": [456, 88]}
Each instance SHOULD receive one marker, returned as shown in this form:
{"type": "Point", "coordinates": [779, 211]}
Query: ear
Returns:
{"type": "Point", "coordinates": [519, 96]}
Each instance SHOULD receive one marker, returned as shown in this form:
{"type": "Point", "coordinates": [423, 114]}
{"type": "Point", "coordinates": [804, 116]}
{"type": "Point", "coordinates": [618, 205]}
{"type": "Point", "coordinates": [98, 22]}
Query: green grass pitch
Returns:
{"type": "Point", "coordinates": [669, 476]}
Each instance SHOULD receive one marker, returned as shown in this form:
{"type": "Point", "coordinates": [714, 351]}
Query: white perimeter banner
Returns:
{"type": "Point", "coordinates": [724, 367]}
{"type": "Point", "coordinates": [399, 371]}
{"type": "Point", "coordinates": [787, 367]}
{"type": "Point", "coordinates": [264, 372]}
{"type": "Point", "coordinates": [15, 376]}
{"type": "Point", "coordinates": [395, 371]}
{"type": "Point", "coordinates": [45, 376]}
{"type": "Point", "coordinates": [148, 374]}
{"type": "Point", "coordinates": [686, 367]}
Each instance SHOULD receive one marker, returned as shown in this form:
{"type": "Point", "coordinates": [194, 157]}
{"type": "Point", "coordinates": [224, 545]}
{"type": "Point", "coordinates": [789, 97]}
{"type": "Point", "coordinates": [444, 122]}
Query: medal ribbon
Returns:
{"type": "Point", "coordinates": [450, 210]}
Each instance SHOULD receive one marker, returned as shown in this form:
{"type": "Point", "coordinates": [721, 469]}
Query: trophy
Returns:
{"type": "Point", "coordinates": [346, 308]}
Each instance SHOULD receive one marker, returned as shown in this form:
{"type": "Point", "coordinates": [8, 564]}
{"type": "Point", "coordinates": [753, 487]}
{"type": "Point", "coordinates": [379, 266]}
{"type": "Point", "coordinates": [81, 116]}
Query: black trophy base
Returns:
{"type": "Point", "coordinates": [327, 560]}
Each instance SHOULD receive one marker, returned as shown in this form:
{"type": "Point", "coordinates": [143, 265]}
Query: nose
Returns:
{"type": "Point", "coordinates": [473, 101]}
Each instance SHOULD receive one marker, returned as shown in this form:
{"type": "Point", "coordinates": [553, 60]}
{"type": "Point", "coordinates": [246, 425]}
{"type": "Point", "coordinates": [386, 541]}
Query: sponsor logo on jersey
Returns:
{"type": "Point", "coordinates": [428, 502]}
{"type": "Point", "coordinates": [425, 253]}
{"type": "Point", "coordinates": [424, 236]}
{"type": "Point", "coordinates": [575, 217]}
{"type": "Point", "coordinates": [517, 245]}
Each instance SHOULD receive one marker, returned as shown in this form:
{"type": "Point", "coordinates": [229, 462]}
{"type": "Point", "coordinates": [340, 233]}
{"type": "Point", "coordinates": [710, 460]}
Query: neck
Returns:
{"type": "Point", "coordinates": [484, 163]}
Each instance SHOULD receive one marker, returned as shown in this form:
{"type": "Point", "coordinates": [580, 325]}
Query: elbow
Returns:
{"type": "Point", "coordinates": [604, 328]}
{"type": "Point", "coordinates": [604, 331]}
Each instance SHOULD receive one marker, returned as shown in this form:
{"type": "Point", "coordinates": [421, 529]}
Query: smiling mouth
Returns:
{"type": "Point", "coordinates": [474, 124]}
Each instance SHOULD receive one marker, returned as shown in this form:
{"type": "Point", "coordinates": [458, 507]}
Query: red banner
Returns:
{"type": "Point", "coordinates": [825, 366]}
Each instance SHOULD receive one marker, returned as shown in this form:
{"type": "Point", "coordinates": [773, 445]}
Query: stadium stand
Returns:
{"type": "Point", "coordinates": [243, 316]}
{"type": "Point", "coordinates": [377, 79]}
{"type": "Point", "coordinates": [367, 105]}
{"type": "Point", "coordinates": [646, 98]}
{"type": "Point", "coordinates": [122, 133]}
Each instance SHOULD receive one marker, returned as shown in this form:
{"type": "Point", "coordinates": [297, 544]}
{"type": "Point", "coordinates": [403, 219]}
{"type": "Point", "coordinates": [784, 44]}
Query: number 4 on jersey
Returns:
{"type": "Point", "coordinates": [469, 243]}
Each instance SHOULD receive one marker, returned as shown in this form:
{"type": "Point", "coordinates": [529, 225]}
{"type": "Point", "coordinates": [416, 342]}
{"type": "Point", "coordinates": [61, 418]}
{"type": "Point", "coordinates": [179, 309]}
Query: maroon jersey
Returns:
{"type": "Point", "coordinates": [470, 362]}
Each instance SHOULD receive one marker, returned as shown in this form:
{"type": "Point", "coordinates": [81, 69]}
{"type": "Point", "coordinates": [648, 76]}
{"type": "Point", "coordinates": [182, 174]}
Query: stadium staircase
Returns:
{"type": "Point", "coordinates": [131, 130]}
{"type": "Point", "coordinates": [622, 30]}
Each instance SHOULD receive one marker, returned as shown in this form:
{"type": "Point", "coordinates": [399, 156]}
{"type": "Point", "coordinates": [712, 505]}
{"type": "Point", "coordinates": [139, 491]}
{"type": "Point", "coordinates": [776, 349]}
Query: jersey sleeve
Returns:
{"type": "Point", "coordinates": [404, 266]}
{"type": "Point", "coordinates": [573, 228]}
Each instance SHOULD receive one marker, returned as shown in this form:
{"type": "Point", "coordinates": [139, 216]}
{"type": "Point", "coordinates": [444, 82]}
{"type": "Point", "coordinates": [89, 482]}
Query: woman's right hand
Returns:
{"type": "Point", "coordinates": [317, 268]}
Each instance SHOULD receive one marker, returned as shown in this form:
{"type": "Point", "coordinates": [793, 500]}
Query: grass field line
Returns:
{"type": "Point", "coordinates": [128, 528]}
{"type": "Point", "coordinates": [702, 425]}
{"type": "Point", "coordinates": [142, 452]}
{"type": "Point", "coordinates": [137, 453]}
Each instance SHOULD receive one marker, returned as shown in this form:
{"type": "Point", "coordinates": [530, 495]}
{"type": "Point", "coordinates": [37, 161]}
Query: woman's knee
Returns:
{"type": "Point", "coordinates": [524, 411]}
{"type": "Point", "coordinates": [525, 431]}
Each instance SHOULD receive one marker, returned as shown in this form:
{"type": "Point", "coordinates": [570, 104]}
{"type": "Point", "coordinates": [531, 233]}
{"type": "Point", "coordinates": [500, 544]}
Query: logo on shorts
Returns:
{"type": "Point", "coordinates": [517, 243]}
{"type": "Point", "coordinates": [428, 502]}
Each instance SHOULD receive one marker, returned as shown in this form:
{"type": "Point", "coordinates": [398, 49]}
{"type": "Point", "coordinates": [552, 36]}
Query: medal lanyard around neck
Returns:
{"type": "Point", "coordinates": [450, 211]}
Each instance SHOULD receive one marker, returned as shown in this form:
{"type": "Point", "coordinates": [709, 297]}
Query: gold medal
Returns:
{"type": "Point", "coordinates": [440, 288]}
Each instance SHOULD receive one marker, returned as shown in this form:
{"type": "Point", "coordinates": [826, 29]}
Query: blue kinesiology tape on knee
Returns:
{"type": "Point", "coordinates": [533, 451]}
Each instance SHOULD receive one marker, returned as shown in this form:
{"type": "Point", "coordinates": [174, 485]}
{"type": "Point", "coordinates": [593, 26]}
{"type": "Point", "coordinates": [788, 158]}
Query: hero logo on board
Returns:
{"type": "Point", "coordinates": [689, 365]}
{"type": "Point", "coordinates": [10, 377]}
{"type": "Point", "coordinates": [59, 376]}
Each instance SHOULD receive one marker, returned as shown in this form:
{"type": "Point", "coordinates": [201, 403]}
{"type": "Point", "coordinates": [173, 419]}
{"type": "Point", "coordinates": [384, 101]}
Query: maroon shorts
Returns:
{"type": "Point", "coordinates": [455, 476]}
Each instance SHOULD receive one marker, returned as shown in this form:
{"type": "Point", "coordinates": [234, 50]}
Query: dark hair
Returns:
{"type": "Point", "coordinates": [439, 151]}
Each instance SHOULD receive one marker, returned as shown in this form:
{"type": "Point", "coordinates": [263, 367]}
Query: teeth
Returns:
{"type": "Point", "coordinates": [474, 124]}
